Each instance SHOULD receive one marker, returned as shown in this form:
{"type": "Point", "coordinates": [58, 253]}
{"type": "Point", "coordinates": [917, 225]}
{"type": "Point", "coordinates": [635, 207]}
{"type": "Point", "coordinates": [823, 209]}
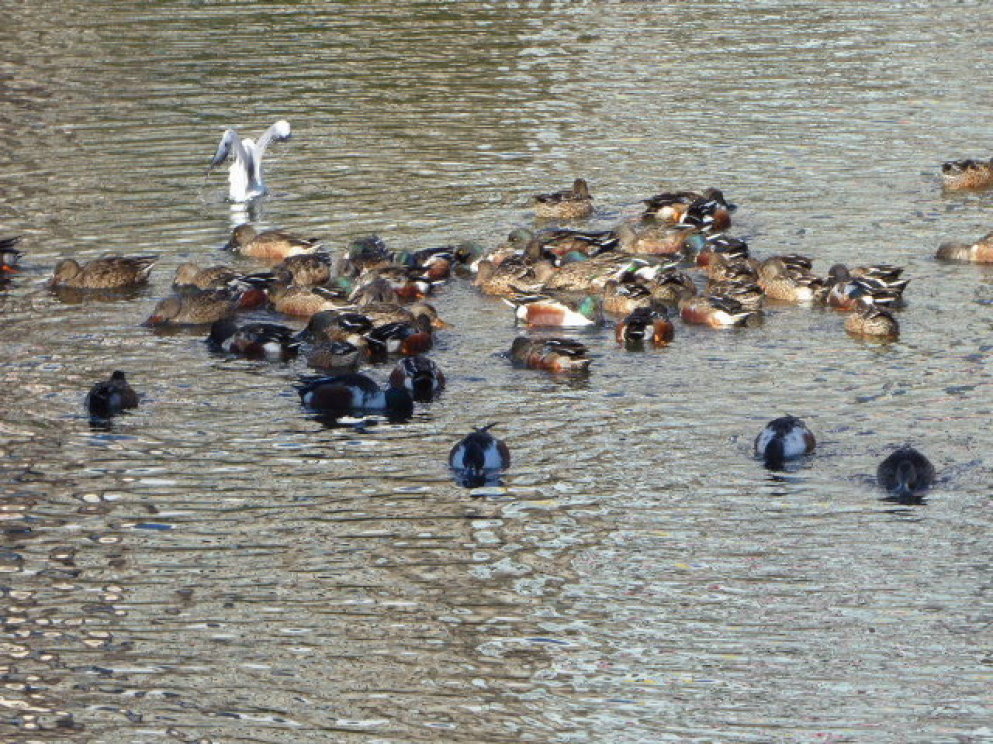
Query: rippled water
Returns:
{"type": "Point", "coordinates": [220, 567]}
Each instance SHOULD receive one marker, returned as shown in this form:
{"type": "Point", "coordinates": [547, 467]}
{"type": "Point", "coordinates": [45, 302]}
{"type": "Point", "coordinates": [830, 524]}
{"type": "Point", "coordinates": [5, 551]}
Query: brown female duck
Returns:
{"type": "Point", "coordinates": [108, 272]}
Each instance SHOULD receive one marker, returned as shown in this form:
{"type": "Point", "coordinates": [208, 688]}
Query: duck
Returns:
{"type": "Point", "coordinates": [353, 392]}
{"type": "Point", "coordinates": [567, 311]}
{"type": "Point", "coordinates": [514, 247]}
{"type": "Point", "coordinates": [338, 355]}
{"type": "Point", "coordinates": [9, 256]}
{"type": "Point", "coordinates": [979, 252]}
{"type": "Point", "coordinates": [189, 276]}
{"type": "Point", "coordinates": [747, 293]}
{"type": "Point", "coordinates": [107, 272]}
{"type": "Point", "coordinates": [269, 341]}
{"type": "Point", "coordinates": [569, 204]}
{"type": "Point", "coordinates": [716, 249]}
{"type": "Point", "coordinates": [389, 312]}
{"type": "Point", "coordinates": [195, 308]}
{"type": "Point", "coordinates": [478, 458]}
{"type": "Point", "coordinates": [556, 243]}
{"type": "Point", "coordinates": [337, 325]}
{"type": "Point", "coordinates": [872, 321]}
{"type": "Point", "coordinates": [245, 181]}
{"type": "Point", "coordinates": [550, 354]}
{"type": "Point", "coordinates": [886, 272]}
{"type": "Point", "coordinates": [708, 214]}
{"type": "Point", "coordinates": [373, 291]}
{"type": "Point", "coordinates": [667, 285]}
{"type": "Point", "coordinates": [645, 325]}
{"type": "Point", "coordinates": [579, 272]}
{"type": "Point", "coordinates": [624, 297]}
{"type": "Point", "coordinates": [305, 269]}
{"type": "Point", "coordinates": [707, 209]}
{"type": "Point", "coordinates": [878, 285]}
{"type": "Point", "coordinates": [433, 264]}
{"type": "Point", "coordinates": [968, 174]}
{"type": "Point", "coordinates": [303, 302]}
{"type": "Point", "coordinates": [437, 266]}
{"type": "Point", "coordinates": [392, 283]}
{"type": "Point", "coordinates": [512, 275]}
{"type": "Point", "coordinates": [650, 239]}
{"type": "Point", "coordinates": [420, 375]}
{"type": "Point", "coordinates": [402, 337]}
{"type": "Point", "coordinates": [906, 474]}
{"type": "Point", "coordinates": [722, 267]}
{"type": "Point", "coordinates": [716, 311]}
{"type": "Point", "coordinates": [369, 251]}
{"type": "Point", "coordinates": [466, 252]}
{"type": "Point", "coordinates": [111, 396]}
{"type": "Point", "coordinates": [784, 438]}
{"type": "Point", "coordinates": [272, 245]}
{"type": "Point", "coordinates": [847, 294]}
{"type": "Point", "coordinates": [788, 278]}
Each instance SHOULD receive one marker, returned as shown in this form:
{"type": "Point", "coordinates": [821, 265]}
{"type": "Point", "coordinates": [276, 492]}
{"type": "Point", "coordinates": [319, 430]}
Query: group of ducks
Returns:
{"type": "Point", "coordinates": [366, 306]}
{"type": "Point", "coordinates": [644, 270]}
{"type": "Point", "coordinates": [369, 304]}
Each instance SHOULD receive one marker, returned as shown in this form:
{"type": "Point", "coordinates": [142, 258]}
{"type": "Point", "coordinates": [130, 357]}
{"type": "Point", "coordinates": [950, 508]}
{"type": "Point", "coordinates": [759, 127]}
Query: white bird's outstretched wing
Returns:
{"type": "Point", "coordinates": [229, 146]}
{"type": "Point", "coordinates": [278, 132]}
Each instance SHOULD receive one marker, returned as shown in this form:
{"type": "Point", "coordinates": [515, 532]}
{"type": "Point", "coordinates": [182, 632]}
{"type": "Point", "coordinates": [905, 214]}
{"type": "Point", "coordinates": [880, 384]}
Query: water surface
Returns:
{"type": "Point", "coordinates": [218, 566]}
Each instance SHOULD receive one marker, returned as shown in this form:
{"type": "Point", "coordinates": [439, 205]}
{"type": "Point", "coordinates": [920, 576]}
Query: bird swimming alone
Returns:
{"type": "Point", "coordinates": [110, 397]}
{"type": "Point", "coordinates": [245, 180]}
{"type": "Point", "coordinates": [478, 458]}
{"type": "Point", "coordinates": [108, 272]}
{"type": "Point", "coordinates": [906, 474]}
{"type": "Point", "coordinates": [782, 439]}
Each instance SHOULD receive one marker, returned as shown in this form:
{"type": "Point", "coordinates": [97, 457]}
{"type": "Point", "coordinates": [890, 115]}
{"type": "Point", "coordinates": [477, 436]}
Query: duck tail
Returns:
{"type": "Point", "coordinates": [422, 384]}
{"type": "Point", "coordinates": [906, 481]}
{"type": "Point", "coordinates": [747, 319]}
{"type": "Point", "coordinates": [903, 492]}
{"type": "Point", "coordinates": [775, 453]}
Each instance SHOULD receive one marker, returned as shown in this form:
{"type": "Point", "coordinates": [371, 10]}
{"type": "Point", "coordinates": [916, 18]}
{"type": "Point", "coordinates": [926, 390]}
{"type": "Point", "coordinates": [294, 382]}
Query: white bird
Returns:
{"type": "Point", "coordinates": [245, 180]}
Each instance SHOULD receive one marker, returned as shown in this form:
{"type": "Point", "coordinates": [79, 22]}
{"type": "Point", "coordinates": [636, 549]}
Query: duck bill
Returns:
{"type": "Point", "coordinates": [153, 321]}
